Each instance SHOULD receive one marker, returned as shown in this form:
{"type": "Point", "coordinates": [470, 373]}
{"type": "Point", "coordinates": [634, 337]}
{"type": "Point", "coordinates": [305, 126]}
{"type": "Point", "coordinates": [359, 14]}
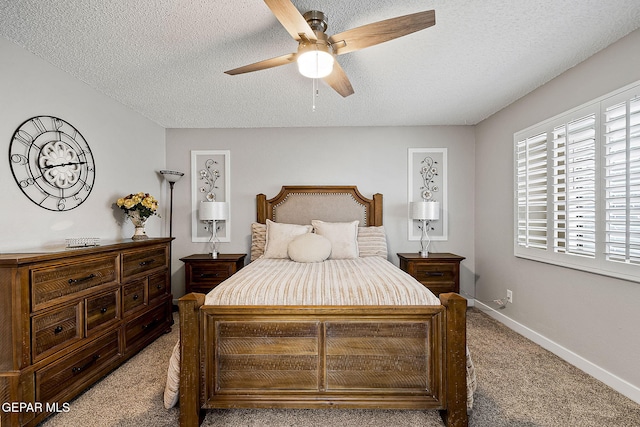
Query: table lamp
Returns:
{"type": "Point", "coordinates": [425, 212]}
{"type": "Point", "coordinates": [211, 212]}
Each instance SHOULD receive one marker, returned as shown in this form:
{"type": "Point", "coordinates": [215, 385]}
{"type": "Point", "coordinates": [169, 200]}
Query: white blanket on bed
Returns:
{"type": "Point", "coordinates": [359, 281]}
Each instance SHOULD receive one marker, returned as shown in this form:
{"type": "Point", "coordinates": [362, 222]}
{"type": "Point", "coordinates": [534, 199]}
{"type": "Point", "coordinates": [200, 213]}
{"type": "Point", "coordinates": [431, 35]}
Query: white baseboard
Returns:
{"type": "Point", "coordinates": [623, 387]}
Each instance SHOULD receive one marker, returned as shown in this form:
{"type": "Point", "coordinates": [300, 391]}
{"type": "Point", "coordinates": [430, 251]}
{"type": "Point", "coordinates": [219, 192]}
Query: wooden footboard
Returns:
{"type": "Point", "coordinates": [391, 357]}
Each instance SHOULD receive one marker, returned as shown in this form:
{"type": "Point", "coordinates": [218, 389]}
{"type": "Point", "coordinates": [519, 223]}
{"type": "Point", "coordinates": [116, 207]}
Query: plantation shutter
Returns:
{"type": "Point", "coordinates": [622, 180]}
{"type": "Point", "coordinates": [531, 171]}
{"type": "Point", "coordinates": [574, 186]}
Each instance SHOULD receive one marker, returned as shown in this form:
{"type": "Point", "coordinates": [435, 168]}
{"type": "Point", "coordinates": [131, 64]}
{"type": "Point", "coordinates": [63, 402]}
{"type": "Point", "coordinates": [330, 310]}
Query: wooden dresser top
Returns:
{"type": "Point", "coordinates": [39, 255]}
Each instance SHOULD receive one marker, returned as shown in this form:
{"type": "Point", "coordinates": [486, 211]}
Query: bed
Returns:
{"type": "Point", "coordinates": [308, 344]}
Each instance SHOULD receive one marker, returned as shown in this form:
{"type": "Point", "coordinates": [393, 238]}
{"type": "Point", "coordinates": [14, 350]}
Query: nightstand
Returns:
{"type": "Point", "coordinates": [440, 272]}
{"type": "Point", "coordinates": [203, 273]}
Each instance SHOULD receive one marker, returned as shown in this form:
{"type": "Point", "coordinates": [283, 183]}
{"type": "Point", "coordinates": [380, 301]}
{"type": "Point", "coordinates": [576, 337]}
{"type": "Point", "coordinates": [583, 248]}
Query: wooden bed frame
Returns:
{"type": "Point", "coordinates": [383, 357]}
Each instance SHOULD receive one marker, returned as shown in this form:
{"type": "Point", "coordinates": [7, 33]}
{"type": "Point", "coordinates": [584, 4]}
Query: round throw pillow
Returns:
{"type": "Point", "coordinates": [309, 247]}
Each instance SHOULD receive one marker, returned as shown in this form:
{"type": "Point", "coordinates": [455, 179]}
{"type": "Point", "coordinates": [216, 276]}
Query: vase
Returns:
{"type": "Point", "coordinates": [139, 223]}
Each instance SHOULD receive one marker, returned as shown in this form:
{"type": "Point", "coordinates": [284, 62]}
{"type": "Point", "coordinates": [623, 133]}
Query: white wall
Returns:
{"type": "Point", "coordinates": [593, 319]}
{"type": "Point", "coordinates": [374, 159]}
{"type": "Point", "coordinates": [127, 149]}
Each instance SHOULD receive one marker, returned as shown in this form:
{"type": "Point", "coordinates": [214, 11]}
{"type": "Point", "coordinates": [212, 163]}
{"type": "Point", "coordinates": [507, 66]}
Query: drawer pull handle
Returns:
{"type": "Point", "coordinates": [159, 287]}
{"type": "Point", "coordinates": [147, 262]}
{"type": "Point", "coordinates": [57, 330]}
{"type": "Point", "coordinates": [434, 273]}
{"type": "Point", "coordinates": [82, 279]}
{"type": "Point", "coordinates": [150, 324]}
{"type": "Point", "coordinates": [78, 369]}
{"type": "Point", "coordinates": [103, 310]}
{"type": "Point", "coordinates": [135, 297]}
{"type": "Point", "coordinates": [207, 275]}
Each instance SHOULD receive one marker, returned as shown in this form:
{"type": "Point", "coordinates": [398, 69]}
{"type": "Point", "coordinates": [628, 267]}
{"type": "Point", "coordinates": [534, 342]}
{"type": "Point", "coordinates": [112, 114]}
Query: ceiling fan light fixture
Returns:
{"type": "Point", "coordinates": [315, 62]}
{"type": "Point", "coordinates": [316, 50]}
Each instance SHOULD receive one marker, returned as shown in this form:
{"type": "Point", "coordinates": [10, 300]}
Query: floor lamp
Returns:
{"type": "Point", "coordinates": [172, 177]}
{"type": "Point", "coordinates": [425, 212]}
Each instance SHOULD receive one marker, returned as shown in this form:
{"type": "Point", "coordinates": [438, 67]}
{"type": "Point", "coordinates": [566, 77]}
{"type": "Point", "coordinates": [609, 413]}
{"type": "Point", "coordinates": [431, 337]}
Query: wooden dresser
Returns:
{"type": "Point", "coordinates": [440, 272]}
{"type": "Point", "coordinates": [68, 318]}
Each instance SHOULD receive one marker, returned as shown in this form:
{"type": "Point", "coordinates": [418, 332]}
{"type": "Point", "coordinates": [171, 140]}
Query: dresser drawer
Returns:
{"type": "Point", "coordinates": [144, 261]}
{"type": "Point", "coordinates": [139, 329]}
{"type": "Point", "coordinates": [158, 286]}
{"type": "Point", "coordinates": [102, 310]}
{"type": "Point", "coordinates": [55, 329]}
{"type": "Point", "coordinates": [55, 282]}
{"type": "Point", "coordinates": [209, 274]}
{"type": "Point", "coordinates": [67, 376]}
{"type": "Point", "coordinates": [434, 273]}
{"type": "Point", "coordinates": [133, 295]}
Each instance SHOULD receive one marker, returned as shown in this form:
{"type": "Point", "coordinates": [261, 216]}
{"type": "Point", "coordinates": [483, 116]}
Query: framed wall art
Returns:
{"type": "Point", "coordinates": [210, 182]}
{"type": "Point", "coordinates": [427, 181]}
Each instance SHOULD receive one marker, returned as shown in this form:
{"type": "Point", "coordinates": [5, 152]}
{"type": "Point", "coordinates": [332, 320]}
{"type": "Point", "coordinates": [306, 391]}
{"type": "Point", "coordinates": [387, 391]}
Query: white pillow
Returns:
{"type": "Point", "coordinates": [172, 387]}
{"type": "Point", "coordinates": [309, 247]}
{"type": "Point", "coordinates": [342, 235]}
{"type": "Point", "coordinates": [279, 236]}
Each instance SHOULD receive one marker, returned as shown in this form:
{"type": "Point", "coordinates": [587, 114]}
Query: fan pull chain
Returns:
{"type": "Point", "coordinates": [315, 82]}
{"type": "Point", "coordinates": [314, 94]}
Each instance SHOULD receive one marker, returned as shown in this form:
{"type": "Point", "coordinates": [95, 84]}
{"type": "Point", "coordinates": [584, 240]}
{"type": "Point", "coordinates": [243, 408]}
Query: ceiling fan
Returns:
{"type": "Point", "coordinates": [316, 51]}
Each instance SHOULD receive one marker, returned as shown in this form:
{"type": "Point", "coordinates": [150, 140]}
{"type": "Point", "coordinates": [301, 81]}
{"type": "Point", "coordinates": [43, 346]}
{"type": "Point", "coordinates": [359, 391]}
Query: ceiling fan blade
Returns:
{"type": "Point", "coordinates": [291, 19]}
{"type": "Point", "coordinates": [263, 65]}
{"type": "Point", "coordinates": [339, 81]}
{"type": "Point", "coordinates": [381, 31]}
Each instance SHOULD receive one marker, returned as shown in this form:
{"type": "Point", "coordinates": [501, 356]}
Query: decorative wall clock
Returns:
{"type": "Point", "coordinates": [52, 163]}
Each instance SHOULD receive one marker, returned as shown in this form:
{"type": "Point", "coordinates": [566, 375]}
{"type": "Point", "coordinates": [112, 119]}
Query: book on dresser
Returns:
{"type": "Point", "coordinates": [68, 318]}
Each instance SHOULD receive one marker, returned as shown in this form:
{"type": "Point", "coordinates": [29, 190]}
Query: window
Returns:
{"type": "Point", "coordinates": [577, 187]}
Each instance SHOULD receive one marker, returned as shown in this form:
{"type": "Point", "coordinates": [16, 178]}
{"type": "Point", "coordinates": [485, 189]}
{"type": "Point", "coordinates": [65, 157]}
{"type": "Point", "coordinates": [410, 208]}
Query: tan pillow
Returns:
{"type": "Point", "coordinates": [309, 247]}
{"type": "Point", "coordinates": [279, 236]}
{"type": "Point", "coordinates": [258, 240]}
{"type": "Point", "coordinates": [372, 241]}
{"type": "Point", "coordinates": [342, 235]}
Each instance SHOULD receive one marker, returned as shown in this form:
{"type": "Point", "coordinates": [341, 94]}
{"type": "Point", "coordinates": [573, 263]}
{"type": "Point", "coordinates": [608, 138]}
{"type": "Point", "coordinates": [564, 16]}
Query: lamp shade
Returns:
{"type": "Point", "coordinates": [172, 176]}
{"type": "Point", "coordinates": [213, 211]}
{"type": "Point", "coordinates": [425, 210]}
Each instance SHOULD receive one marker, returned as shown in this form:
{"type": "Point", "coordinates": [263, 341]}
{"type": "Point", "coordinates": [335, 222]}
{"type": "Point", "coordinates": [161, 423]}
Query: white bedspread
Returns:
{"type": "Point", "coordinates": [360, 281]}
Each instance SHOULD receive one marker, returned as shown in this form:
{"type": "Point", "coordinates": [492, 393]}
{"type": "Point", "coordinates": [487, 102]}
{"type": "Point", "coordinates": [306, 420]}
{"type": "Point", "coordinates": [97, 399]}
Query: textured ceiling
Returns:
{"type": "Point", "coordinates": [165, 58]}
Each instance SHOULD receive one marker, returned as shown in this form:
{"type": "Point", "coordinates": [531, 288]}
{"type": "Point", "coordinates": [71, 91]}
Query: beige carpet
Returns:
{"type": "Point", "coordinates": [519, 384]}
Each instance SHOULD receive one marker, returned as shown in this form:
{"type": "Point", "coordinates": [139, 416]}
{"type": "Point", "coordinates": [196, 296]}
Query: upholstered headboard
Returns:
{"type": "Point", "coordinates": [299, 204]}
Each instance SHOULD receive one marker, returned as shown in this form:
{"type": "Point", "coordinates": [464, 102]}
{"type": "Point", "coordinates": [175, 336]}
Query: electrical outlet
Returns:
{"type": "Point", "coordinates": [509, 296]}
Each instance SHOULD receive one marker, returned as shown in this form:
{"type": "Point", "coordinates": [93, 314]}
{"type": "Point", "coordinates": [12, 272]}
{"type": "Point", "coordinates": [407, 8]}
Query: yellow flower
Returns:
{"type": "Point", "coordinates": [144, 204]}
{"type": "Point", "coordinates": [147, 202]}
